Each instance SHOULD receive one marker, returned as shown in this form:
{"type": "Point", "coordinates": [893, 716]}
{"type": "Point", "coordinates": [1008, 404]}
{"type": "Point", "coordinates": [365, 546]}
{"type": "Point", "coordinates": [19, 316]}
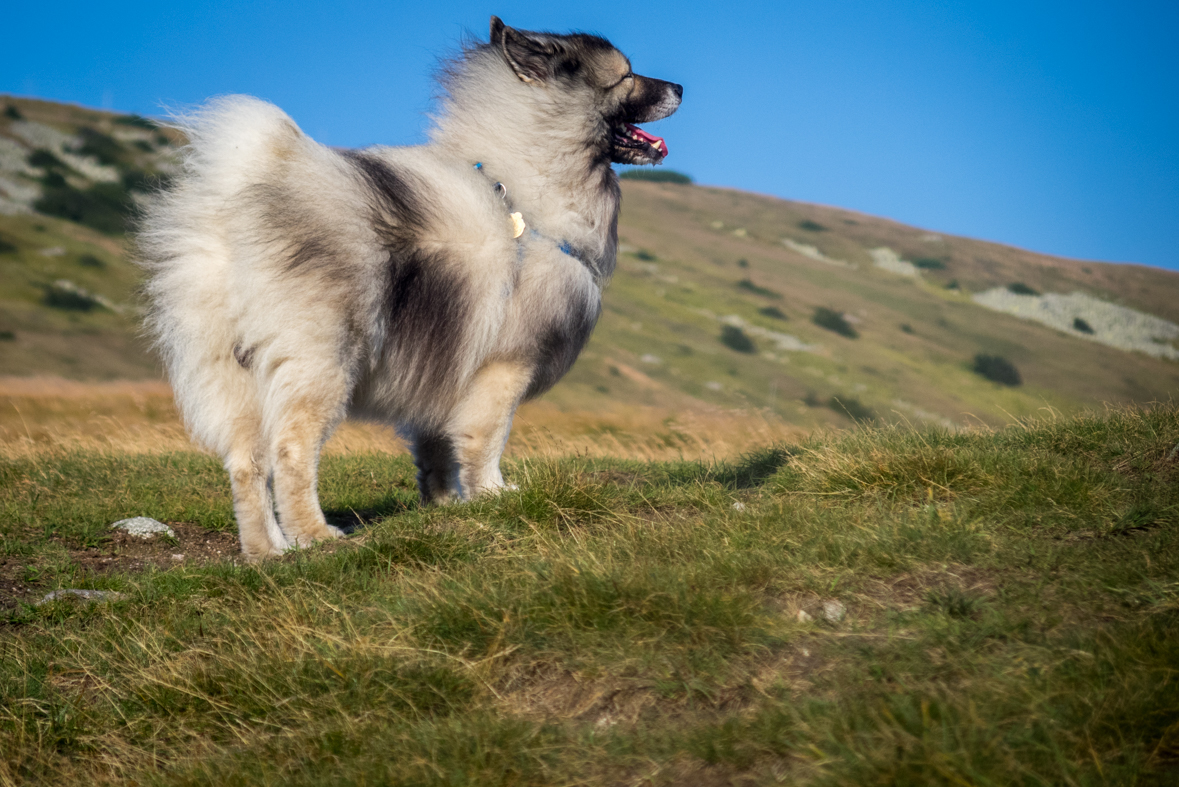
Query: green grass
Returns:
{"type": "Point", "coordinates": [1012, 617]}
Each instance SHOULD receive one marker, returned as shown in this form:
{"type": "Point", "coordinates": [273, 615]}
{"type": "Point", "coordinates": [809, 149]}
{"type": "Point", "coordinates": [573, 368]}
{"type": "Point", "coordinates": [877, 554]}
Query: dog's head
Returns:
{"type": "Point", "coordinates": [589, 75]}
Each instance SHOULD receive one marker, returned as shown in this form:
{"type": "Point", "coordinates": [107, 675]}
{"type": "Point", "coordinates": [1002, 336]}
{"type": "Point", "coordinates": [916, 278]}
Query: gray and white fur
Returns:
{"type": "Point", "coordinates": [292, 284]}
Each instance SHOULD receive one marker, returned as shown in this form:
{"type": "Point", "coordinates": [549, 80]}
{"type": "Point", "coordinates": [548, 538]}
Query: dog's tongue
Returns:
{"type": "Point", "coordinates": [653, 141]}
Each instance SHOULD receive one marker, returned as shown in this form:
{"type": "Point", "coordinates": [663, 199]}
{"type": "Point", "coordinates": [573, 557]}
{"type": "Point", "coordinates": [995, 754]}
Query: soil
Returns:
{"type": "Point", "coordinates": [121, 552]}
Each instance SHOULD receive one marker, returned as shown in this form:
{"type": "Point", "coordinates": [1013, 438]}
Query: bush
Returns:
{"type": "Point", "coordinates": [13, 113]}
{"type": "Point", "coordinates": [765, 292]}
{"type": "Point", "coordinates": [645, 255]}
{"type": "Point", "coordinates": [138, 121]}
{"type": "Point", "coordinates": [930, 263]}
{"type": "Point", "coordinates": [68, 299]}
{"type": "Point", "coordinates": [7, 336]}
{"type": "Point", "coordinates": [137, 180]}
{"type": "Point", "coordinates": [852, 408]}
{"type": "Point", "coordinates": [997, 369]}
{"type": "Point", "coordinates": [952, 285]}
{"type": "Point", "coordinates": [833, 321]}
{"type": "Point", "coordinates": [811, 226]}
{"type": "Point", "coordinates": [774, 312]}
{"type": "Point", "coordinates": [657, 176]}
{"type": "Point", "coordinates": [90, 261]}
{"type": "Point", "coordinates": [906, 327]}
{"type": "Point", "coordinates": [104, 148]}
{"type": "Point", "coordinates": [735, 339]}
{"type": "Point", "coordinates": [1082, 326]}
{"type": "Point", "coordinates": [1019, 288]}
{"type": "Point", "coordinates": [6, 247]}
{"type": "Point", "coordinates": [102, 207]}
{"type": "Point", "coordinates": [44, 159]}
{"type": "Point", "coordinates": [742, 263]}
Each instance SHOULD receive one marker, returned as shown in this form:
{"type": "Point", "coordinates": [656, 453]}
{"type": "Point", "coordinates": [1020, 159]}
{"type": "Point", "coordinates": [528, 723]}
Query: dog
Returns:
{"type": "Point", "coordinates": [433, 287]}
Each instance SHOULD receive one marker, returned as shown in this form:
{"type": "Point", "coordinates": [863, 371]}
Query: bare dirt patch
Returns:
{"type": "Point", "coordinates": [27, 580]}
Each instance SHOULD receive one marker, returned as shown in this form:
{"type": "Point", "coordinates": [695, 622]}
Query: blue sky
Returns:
{"type": "Point", "coordinates": [1053, 126]}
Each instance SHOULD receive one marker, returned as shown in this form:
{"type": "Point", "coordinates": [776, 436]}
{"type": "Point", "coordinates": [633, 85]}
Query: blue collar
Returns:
{"type": "Point", "coordinates": [565, 246]}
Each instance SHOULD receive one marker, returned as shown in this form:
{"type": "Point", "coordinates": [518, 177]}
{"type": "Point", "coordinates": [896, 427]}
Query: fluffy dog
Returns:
{"type": "Point", "coordinates": [432, 287]}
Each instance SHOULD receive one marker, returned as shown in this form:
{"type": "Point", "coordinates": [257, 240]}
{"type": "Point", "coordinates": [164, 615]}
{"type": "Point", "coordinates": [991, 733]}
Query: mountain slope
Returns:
{"type": "Point", "coordinates": [697, 264]}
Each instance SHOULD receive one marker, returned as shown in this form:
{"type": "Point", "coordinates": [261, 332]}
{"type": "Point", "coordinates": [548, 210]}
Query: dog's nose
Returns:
{"type": "Point", "coordinates": [679, 90]}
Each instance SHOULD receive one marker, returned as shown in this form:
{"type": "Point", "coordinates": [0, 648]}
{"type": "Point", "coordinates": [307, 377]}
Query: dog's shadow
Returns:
{"type": "Point", "coordinates": [351, 520]}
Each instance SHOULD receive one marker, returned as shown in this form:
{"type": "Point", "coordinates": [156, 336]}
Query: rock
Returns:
{"type": "Point", "coordinates": [834, 611]}
{"type": "Point", "coordinates": [804, 616]}
{"type": "Point", "coordinates": [144, 527]}
{"type": "Point", "coordinates": [738, 506]}
{"type": "Point", "coordinates": [84, 595]}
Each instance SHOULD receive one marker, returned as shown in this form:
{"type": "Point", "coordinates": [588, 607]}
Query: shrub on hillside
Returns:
{"type": "Point", "coordinates": [1082, 326]}
{"type": "Point", "coordinates": [1019, 288]}
{"type": "Point", "coordinates": [774, 312]}
{"type": "Point", "coordinates": [102, 207]}
{"type": "Point", "coordinates": [853, 408]}
{"type": "Point", "coordinates": [44, 159]}
{"type": "Point", "coordinates": [12, 113]}
{"type": "Point", "coordinates": [645, 255]}
{"type": "Point", "coordinates": [101, 146]}
{"type": "Point", "coordinates": [811, 226]}
{"type": "Point", "coordinates": [68, 299]}
{"type": "Point", "coordinates": [997, 369]}
{"type": "Point", "coordinates": [138, 121]}
{"type": "Point", "coordinates": [930, 263]}
{"type": "Point", "coordinates": [833, 321]}
{"type": "Point", "coordinates": [90, 261]}
{"type": "Point", "coordinates": [735, 339]}
{"type": "Point", "coordinates": [6, 247]}
{"type": "Point", "coordinates": [765, 292]}
{"type": "Point", "coordinates": [657, 176]}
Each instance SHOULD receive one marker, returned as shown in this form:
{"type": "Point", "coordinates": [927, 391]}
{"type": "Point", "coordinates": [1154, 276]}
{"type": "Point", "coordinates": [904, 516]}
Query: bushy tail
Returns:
{"type": "Point", "coordinates": [185, 242]}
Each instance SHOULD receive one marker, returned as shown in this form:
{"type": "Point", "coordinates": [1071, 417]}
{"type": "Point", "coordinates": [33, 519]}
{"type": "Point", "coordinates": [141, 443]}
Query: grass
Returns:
{"type": "Point", "coordinates": [1012, 604]}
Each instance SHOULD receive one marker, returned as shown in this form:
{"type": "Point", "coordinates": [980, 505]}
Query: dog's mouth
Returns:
{"type": "Point", "coordinates": [632, 145]}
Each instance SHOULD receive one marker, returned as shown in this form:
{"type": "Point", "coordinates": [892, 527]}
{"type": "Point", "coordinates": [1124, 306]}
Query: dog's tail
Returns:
{"type": "Point", "coordinates": [186, 243]}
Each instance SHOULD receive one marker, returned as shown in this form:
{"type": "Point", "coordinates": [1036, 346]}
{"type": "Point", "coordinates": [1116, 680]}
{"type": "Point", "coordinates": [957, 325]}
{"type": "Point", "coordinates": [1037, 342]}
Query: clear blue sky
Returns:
{"type": "Point", "coordinates": [1048, 125]}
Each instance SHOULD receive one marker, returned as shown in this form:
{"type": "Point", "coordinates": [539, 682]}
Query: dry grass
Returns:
{"type": "Point", "coordinates": [48, 414]}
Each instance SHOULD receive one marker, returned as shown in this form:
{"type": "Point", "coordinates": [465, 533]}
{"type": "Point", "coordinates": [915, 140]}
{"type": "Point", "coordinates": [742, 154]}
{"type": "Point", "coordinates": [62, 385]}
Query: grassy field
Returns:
{"type": "Point", "coordinates": [884, 606]}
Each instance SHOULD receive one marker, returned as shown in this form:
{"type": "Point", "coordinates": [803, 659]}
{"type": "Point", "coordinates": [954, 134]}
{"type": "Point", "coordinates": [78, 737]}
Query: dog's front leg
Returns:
{"type": "Point", "coordinates": [481, 423]}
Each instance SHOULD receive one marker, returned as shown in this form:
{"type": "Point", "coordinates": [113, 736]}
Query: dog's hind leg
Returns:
{"type": "Point", "coordinates": [303, 406]}
{"type": "Point", "coordinates": [253, 504]}
{"type": "Point", "coordinates": [433, 454]}
{"type": "Point", "coordinates": [480, 425]}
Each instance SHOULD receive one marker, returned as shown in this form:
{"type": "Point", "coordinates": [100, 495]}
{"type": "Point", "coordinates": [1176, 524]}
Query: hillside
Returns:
{"type": "Point", "coordinates": [698, 263]}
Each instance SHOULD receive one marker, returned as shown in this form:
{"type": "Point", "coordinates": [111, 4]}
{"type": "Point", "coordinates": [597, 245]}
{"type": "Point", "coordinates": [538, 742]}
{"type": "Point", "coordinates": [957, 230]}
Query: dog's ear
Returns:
{"type": "Point", "coordinates": [497, 32]}
{"type": "Point", "coordinates": [531, 58]}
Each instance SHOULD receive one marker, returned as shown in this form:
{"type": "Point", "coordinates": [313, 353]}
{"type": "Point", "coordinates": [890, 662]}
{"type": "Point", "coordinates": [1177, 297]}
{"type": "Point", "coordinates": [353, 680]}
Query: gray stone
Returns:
{"type": "Point", "coordinates": [84, 595]}
{"type": "Point", "coordinates": [144, 527]}
{"type": "Point", "coordinates": [834, 610]}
